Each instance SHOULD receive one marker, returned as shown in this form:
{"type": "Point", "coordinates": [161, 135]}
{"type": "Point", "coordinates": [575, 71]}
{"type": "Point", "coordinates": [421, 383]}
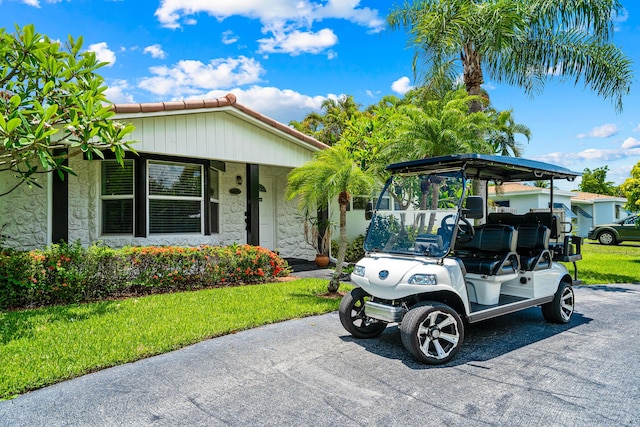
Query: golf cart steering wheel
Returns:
{"type": "Point", "coordinates": [466, 230]}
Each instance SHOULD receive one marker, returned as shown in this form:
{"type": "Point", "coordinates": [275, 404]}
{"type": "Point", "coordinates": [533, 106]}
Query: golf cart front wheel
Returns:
{"type": "Point", "coordinates": [432, 333]}
{"type": "Point", "coordinates": [353, 317]}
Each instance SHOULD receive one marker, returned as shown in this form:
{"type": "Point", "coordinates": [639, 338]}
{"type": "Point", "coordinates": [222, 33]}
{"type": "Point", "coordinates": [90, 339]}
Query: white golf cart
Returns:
{"type": "Point", "coordinates": [428, 268]}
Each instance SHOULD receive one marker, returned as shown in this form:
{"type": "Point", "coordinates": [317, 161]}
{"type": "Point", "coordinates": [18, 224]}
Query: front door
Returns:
{"type": "Point", "coordinates": [267, 213]}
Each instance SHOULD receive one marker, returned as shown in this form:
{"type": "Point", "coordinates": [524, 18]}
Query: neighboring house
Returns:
{"type": "Point", "coordinates": [208, 172]}
{"type": "Point", "coordinates": [593, 209]}
{"type": "Point", "coordinates": [583, 210]}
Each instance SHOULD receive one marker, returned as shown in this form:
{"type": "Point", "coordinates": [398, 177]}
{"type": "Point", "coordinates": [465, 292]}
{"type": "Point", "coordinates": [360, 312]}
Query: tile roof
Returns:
{"type": "Point", "coordinates": [515, 187]}
{"type": "Point", "coordinates": [229, 100]}
{"type": "Point", "coordinates": [581, 195]}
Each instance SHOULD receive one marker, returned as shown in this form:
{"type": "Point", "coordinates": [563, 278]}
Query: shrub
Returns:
{"type": "Point", "coordinates": [62, 274]}
{"type": "Point", "coordinates": [355, 249]}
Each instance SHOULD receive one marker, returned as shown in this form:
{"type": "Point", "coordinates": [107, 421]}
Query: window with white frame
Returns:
{"type": "Point", "coordinates": [116, 197]}
{"type": "Point", "coordinates": [214, 200]}
{"type": "Point", "coordinates": [175, 197]}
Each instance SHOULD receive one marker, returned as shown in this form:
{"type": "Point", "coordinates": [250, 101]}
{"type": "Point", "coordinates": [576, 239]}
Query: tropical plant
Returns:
{"type": "Point", "coordinates": [328, 127]}
{"type": "Point", "coordinates": [518, 42]}
{"type": "Point", "coordinates": [52, 106]}
{"type": "Point", "coordinates": [595, 181]}
{"type": "Point", "coordinates": [502, 135]}
{"type": "Point", "coordinates": [332, 173]}
{"type": "Point", "coordinates": [631, 189]}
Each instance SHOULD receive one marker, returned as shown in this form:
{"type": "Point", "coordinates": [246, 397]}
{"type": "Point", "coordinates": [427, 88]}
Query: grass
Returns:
{"type": "Point", "coordinates": [609, 264]}
{"type": "Point", "coordinates": [43, 346]}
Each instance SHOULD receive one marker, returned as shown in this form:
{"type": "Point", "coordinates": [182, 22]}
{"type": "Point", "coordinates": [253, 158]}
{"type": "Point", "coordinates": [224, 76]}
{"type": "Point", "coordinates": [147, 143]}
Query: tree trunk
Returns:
{"type": "Point", "coordinates": [334, 284]}
{"type": "Point", "coordinates": [472, 75]}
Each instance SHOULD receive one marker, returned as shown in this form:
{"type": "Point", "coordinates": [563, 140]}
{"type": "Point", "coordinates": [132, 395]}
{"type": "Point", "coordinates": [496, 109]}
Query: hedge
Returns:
{"type": "Point", "coordinates": [64, 274]}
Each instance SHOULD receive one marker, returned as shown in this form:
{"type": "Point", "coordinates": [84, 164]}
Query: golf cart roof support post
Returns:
{"type": "Point", "coordinates": [551, 201]}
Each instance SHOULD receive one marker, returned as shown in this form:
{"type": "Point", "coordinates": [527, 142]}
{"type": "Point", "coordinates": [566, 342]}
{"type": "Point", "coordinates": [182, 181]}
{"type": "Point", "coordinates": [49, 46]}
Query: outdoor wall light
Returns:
{"type": "Point", "coordinates": [235, 191]}
{"type": "Point", "coordinates": [239, 180]}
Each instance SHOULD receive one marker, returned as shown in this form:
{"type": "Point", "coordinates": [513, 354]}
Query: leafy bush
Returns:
{"type": "Point", "coordinates": [355, 249]}
{"type": "Point", "coordinates": [62, 274]}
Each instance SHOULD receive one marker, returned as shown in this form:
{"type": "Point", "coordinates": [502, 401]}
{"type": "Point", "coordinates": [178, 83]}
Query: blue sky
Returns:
{"type": "Point", "coordinates": [283, 57]}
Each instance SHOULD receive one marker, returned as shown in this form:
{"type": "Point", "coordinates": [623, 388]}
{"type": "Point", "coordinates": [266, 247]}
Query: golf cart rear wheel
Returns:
{"type": "Point", "coordinates": [433, 333]}
{"type": "Point", "coordinates": [561, 308]}
{"type": "Point", "coordinates": [353, 317]}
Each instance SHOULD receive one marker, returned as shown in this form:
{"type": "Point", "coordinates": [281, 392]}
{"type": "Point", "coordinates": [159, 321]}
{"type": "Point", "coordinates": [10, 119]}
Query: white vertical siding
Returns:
{"type": "Point", "coordinates": [218, 135]}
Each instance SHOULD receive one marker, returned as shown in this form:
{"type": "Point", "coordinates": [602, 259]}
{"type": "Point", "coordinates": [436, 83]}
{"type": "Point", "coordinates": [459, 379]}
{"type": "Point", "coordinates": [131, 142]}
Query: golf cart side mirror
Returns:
{"type": "Point", "coordinates": [475, 208]}
{"type": "Point", "coordinates": [368, 212]}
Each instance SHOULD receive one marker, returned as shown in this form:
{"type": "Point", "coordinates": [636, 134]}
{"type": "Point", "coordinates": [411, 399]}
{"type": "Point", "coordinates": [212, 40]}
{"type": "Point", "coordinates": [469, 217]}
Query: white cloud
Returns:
{"type": "Point", "coordinates": [296, 42]}
{"type": "Point", "coordinates": [287, 22]}
{"type": "Point", "coordinates": [630, 143]}
{"type": "Point", "coordinates": [117, 92]}
{"type": "Point", "coordinates": [228, 37]}
{"type": "Point", "coordinates": [590, 155]}
{"type": "Point", "coordinates": [36, 3]}
{"type": "Point", "coordinates": [402, 85]}
{"type": "Point", "coordinates": [636, 129]}
{"type": "Point", "coordinates": [603, 131]}
{"type": "Point", "coordinates": [283, 105]}
{"type": "Point", "coordinates": [155, 50]}
{"type": "Point", "coordinates": [103, 53]}
{"type": "Point", "coordinates": [189, 77]}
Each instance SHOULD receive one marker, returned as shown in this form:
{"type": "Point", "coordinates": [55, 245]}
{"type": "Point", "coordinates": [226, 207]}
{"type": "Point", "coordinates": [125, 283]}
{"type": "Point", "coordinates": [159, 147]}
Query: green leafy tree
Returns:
{"type": "Point", "coordinates": [52, 106]}
{"type": "Point", "coordinates": [630, 188]}
{"type": "Point", "coordinates": [595, 181]}
{"type": "Point", "coordinates": [328, 127]}
{"type": "Point", "coordinates": [518, 42]}
{"type": "Point", "coordinates": [333, 173]}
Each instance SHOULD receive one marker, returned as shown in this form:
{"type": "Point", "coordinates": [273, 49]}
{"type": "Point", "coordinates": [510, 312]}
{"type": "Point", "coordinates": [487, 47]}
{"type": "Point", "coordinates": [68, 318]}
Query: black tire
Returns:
{"type": "Point", "coordinates": [607, 238]}
{"type": "Point", "coordinates": [561, 308]}
{"type": "Point", "coordinates": [433, 333]}
{"type": "Point", "coordinates": [353, 318]}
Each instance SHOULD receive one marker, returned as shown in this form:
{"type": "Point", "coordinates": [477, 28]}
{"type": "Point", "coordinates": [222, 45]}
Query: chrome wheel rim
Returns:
{"type": "Point", "coordinates": [438, 335]}
{"type": "Point", "coordinates": [566, 303]}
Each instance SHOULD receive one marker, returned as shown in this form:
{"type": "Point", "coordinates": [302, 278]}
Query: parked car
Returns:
{"type": "Point", "coordinates": [614, 233]}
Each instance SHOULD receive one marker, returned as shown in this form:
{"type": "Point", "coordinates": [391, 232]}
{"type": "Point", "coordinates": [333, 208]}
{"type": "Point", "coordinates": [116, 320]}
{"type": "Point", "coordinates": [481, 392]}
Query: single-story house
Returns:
{"type": "Point", "coordinates": [592, 209]}
{"type": "Point", "coordinates": [208, 172]}
{"type": "Point", "coordinates": [583, 210]}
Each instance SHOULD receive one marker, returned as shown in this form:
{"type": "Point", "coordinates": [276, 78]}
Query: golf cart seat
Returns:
{"type": "Point", "coordinates": [492, 251]}
{"type": "Point", "coordinates": [533, 247]}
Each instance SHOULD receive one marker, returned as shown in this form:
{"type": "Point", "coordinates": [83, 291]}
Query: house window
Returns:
{"type": "Point", "coordinates": [503, 203]}
{"type": "Point", "coordinates": [116, 197]}
{"type": "Point", "coordinates": [214, 200]}
{"type": "Point", "coordinates": [175, 197]}
{"type": "Point", "coordinates": [618, 210]}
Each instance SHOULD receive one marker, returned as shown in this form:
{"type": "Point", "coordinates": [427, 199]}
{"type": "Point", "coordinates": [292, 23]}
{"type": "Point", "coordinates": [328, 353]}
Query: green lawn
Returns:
{"type": "Point", "coordinates": [609, 264]}
{"type": "Point", "coordinates": [43, 346]}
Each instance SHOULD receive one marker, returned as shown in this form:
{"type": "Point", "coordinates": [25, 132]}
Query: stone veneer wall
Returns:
{"type": "Point", "coordinates": [290, 240]}
{"type": "Point", "coordinates": [23, 212]}
{"type": "Point", "coordinates": [84, 212]}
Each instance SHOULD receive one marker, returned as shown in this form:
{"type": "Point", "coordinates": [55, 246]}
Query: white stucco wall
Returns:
{"type": "Point", "coordinates": [290, 242]}
{"type": "Point", "coordinates": [23, 212]}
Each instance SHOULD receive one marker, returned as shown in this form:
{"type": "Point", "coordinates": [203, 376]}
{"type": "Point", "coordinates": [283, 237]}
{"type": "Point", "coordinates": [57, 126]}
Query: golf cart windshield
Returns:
{"type": "Point", "coordinates": [416, 215]}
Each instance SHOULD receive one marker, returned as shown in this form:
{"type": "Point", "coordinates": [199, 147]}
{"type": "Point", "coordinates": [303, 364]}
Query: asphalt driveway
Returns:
{"type": "Point", "coordinates": [511, 371]}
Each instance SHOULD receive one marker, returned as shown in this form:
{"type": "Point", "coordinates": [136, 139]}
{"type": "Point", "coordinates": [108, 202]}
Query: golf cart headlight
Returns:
{"type": "Point", "coordinates": [423, 279]}
{"type": "Point", "coordinates": [358, 270]}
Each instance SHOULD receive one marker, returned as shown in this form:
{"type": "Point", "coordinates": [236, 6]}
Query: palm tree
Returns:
{"type": "Point", "coordinates": [519, 42]}
{"type": "Point", "coordinates": [328, 127]}
{"type": "Point", "coordinates": [502, 135]}
{"type": "Point", "coordinates": [332, 173]}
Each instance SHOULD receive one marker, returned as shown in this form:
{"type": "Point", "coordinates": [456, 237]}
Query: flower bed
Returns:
{"type": "Point", "coordinates": [63, 274]}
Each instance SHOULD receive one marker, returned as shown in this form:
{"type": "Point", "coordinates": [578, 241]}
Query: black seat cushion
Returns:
{"type": "Point", "coordinates": [491, 251]}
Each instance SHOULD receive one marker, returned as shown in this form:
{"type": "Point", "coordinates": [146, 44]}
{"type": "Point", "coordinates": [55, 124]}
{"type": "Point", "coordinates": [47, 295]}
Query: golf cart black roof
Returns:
{"type": "Point", "coordinates": [483, 166]}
